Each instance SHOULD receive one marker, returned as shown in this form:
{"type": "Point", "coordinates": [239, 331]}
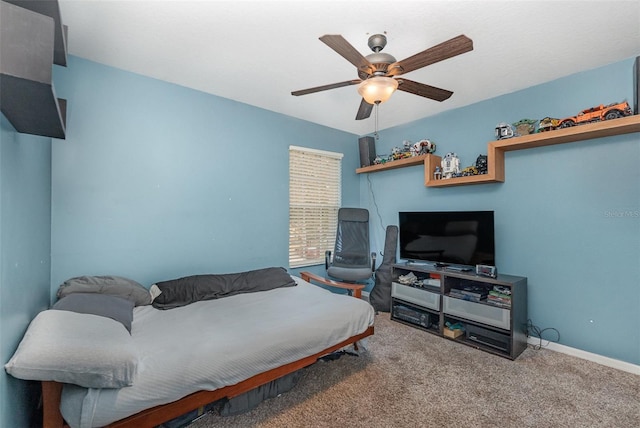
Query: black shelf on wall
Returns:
{"type": "Point", "coordinates": [27, 55]}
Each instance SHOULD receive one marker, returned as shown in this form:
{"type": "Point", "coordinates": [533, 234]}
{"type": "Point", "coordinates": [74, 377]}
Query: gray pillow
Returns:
{"type": "Point", "coordinates": [86, 350]}
{"type": "Point", "coordinates": [112, 285]}
{"type": "Point", "coordinates": [104, 305]}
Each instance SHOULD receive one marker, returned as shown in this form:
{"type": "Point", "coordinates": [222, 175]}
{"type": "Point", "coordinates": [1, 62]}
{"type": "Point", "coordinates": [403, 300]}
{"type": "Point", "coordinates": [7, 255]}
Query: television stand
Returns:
{"type": "Point", "coordinates": [417, 263]}
{"type": "Point", "coordinates": [459, 268]}
{"type": "Point", "coordinates": [450, 296]}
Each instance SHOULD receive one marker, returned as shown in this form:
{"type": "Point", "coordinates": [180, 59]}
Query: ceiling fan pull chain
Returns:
{"type": "Point", "coordinates": [377, 106]}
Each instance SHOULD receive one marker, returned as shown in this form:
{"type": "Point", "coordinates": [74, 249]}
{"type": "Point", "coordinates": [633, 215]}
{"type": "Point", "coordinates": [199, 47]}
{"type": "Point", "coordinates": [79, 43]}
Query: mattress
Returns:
{"type": "Point", "coordinates": [212, 344]}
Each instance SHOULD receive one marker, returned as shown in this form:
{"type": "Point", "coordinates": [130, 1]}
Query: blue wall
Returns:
{"type": "Point", "coordinates": [567, 217]}
{"type": "Point", "coordinates": [156, 181]}
{"type": "Point", "coordinates": [25, 237]}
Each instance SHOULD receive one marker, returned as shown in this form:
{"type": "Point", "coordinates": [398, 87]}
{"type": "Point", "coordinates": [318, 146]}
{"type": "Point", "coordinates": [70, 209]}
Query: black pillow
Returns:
{"type": "Point", "coordinates": [190, 289]}
{"type": "Point", "coordinates": [104, 305]}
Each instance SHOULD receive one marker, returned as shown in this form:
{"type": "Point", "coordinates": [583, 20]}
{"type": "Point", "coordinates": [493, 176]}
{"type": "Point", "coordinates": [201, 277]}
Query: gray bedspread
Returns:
{"type": "Point", "coordinates": [190, 289]}
{"type": "Point", "coordinates": [215, 343]}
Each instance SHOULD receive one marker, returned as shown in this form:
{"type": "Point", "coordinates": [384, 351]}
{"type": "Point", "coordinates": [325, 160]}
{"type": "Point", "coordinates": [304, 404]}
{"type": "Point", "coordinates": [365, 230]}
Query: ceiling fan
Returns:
{"type": "Point", "coordinates": [377, 71]}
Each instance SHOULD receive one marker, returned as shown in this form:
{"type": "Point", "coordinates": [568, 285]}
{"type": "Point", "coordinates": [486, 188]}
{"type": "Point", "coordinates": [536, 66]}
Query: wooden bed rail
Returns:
{"type": "Point", "coordinates": [51, 393]}
{"type": "Point", "coordinates": [51, 416]}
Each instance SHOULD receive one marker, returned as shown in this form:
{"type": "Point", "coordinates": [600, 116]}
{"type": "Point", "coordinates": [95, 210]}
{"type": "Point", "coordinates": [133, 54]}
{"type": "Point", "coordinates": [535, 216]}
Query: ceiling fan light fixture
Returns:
{"type": "Point", "coordinates": [377, 89]}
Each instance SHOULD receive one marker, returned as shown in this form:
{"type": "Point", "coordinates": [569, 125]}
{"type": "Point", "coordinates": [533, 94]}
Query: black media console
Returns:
{"type": "Point", "coordinates": [491, 311]}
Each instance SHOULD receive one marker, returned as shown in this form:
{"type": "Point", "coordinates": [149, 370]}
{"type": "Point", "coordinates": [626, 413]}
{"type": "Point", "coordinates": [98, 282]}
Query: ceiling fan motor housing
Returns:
{"type": "Point", "coordinates": [380, 61]}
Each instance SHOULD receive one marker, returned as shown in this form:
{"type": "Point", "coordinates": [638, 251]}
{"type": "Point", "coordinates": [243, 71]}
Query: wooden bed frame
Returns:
{"type": "Point", "coordinates": [51, 393]}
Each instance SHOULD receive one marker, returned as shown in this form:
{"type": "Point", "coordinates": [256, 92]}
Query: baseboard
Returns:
{"type": "Point", "coordinates": [605, 361]}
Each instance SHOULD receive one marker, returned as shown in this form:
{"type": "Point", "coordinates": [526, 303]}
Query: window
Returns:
{"type": "Point", "coordinates": [315, 182]}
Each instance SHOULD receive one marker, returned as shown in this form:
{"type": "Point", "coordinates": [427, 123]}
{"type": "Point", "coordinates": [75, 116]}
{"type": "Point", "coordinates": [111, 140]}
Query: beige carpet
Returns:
{"type": "Point", "coordinates": [409, 378]}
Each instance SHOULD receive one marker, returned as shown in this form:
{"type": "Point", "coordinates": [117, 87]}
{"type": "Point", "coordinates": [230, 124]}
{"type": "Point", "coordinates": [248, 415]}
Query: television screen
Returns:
{"type": "Point", "coordinates": [449, 237]}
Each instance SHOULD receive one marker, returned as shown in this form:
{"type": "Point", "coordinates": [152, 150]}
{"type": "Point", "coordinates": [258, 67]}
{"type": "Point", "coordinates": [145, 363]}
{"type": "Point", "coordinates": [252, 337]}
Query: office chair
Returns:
{"type": "Point", "coordinates": [352, 260]}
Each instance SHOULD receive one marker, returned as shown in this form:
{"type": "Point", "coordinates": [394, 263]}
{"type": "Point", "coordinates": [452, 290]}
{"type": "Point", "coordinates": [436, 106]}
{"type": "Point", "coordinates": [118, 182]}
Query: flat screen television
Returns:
{"type": "Point", "coordinates": [447, 237]}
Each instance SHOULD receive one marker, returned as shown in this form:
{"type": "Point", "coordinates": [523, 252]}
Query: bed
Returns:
{"type": "Point", "coordinates": [194, 354]}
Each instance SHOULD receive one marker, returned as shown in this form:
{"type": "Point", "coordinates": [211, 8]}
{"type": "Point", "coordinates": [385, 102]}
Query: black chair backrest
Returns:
{"type": "Point", "coordinates": [352, 239]}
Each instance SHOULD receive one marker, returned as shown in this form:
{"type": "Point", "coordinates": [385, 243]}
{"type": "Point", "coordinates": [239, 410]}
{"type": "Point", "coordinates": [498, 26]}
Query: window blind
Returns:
{"type": "Point", "coordinates": [315, 195]}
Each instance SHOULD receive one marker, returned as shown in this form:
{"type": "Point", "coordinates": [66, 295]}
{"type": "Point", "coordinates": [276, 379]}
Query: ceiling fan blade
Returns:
{"type": "Point", "coordinates": [326, 87]}
{"type": "Point", "coordinates": [348, 52]}
{"type": "Point", "coordinates": [423, 90]}
{"type": "Point", "coordinates": [445, 50]}
{"type": "Point", "coordinates": [364, 111]}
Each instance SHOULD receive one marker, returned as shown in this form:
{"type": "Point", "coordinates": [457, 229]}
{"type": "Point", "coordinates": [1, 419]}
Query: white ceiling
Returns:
{"type": "Point", "coordinates": [257, 52]}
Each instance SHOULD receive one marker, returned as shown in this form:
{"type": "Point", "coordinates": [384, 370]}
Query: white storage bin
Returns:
{"type": "Point", "coordinates": [416, 296]}
{"type": "Point", "coordinates": [490, 315]}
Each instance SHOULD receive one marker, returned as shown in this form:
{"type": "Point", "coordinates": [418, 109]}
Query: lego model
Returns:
{"type": "Point", "coordinates": [437, 174]}
{"type": "Point", "coordinates": [398, 153]}
{"type": "Point", "coordinates": [504, 130]}
{"type": "Point", "coordinates": [470, 170]}
{"type": "Point", "coordinates": [379, 160]}
{"type": "Point", "coordinates": [525, 126]}
{"type": "Point", "coordinates": [450, 165]}
{"type": "Point", "coordinates": [482, 164]}
{"type": "Point", "coordinates": [423, 147]}
{"type": "Point", "coordinates": [597, 113]}
{"type": "Point", "coordinates": [548, 124]}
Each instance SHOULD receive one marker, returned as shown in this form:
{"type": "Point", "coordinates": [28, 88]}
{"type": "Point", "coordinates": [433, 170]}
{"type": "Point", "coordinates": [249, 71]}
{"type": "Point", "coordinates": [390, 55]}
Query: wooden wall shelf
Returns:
{"type": "Point", "coordinates": [496, 150]}
{"type": "Point", "coordinates": [606, 128]}
{"type": "Point", "coordinates": [433, 161]}
{"type": "Point", "coordinates": [401, 163]}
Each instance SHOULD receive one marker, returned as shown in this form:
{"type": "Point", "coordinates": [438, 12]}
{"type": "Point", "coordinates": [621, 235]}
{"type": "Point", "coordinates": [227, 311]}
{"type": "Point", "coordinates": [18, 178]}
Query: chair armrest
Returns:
{"type": "Point", "coordinates": [354, 288]}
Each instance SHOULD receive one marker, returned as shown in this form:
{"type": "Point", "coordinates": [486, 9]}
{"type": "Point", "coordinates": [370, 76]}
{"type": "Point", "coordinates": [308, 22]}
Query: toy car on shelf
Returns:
{"type": "Point", "coordinates": [401, 155]}
{"type": "Point", "coordinates": [597, 113]}
{"type": "Point", "coordinates": [397, 153]}
{"type": "Point", "coordinates": [470, 170]}
{"type": "Point", "coordinates": [548, 124]}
